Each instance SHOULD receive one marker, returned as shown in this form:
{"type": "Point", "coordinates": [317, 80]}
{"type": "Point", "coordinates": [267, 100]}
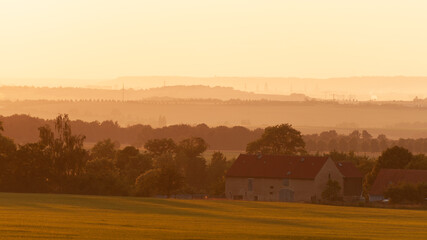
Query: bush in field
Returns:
{"type": "Point", "coordinates": [332, 191]}
{"type": "Point", "coordinates": [407, 193]}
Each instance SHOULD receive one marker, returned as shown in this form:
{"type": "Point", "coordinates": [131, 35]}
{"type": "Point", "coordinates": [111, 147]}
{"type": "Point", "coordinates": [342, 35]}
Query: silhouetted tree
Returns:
{"type": "Point", "coordinates": [32, 171]}
{"type": "Point", "coordinates": [383, 142]}
{"type": "Point", "coordinates": [418, 162]}
{"type": "Point", "coordinates": [353, 143]}
{"type": "Point", "coordinates": [332, 191]}
{"type": "Point", "coordinates": [131, 163]}
{"type": "Point", "coordinates": [170, 178]}
{"type": "Point", "coordinates": [343, 144]}
{"type": "Point", "coordinates": [375, 147]}
{"type": "Point", "coordinates": [157, 147]}
{"type": "Point", "coordinates": [7, 157]}
{"type": "Point", "coordinates": [394, 158]}
{"type": "Point", "coordinates": [147, 184]}
{"type": "Point", "coordinates": [333, 145]}
{"type": "Point", "coordinates": [102, 178]}
{"type": "Point", "coordinates": [280, 139]}
{"type": "Point", "coordinates": [103, 150]}
{"type": "Point", "coordinates": [189, 158]}
{"type": "Point", "coordinates": [216, 174]}
{"type": "Point", "coordinates": [65, 150]}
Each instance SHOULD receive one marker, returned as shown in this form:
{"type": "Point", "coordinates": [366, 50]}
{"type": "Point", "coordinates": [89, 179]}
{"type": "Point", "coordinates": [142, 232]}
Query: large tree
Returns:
{"type": "Point", "coordinates": [105, 149]}
{"type": "Point", "coordinates": [65, 153]}
{"type": "Point", "coordinates": [394, 158]}
{"type": "Point", "coordinates": [170, 179]}
{"type": "Point", "coordinates": [157, 147]}
{"type": "Point", "coordinates": [131, 163]}
{"type": "Point", "coordinates": [193, 165]}
{"type": "Point", "coordinates": [7, 157]}
{"type": "Point", "coordinates": [216, 171]}
{"type": "Point", "coordinates": [281, 139]}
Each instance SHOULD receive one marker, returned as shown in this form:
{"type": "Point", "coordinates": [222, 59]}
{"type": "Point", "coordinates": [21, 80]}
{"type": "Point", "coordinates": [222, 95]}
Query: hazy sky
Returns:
{"type": "Point", "coordinates": [95, 39]}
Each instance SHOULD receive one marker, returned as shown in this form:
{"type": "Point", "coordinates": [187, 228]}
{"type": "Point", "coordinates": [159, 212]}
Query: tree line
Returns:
{"type": "Point", "coordinates": [23, 129]}
{"type": "Point", "coordinates": [359, 141]}
{"type": "Point", "coordinates": [58, 163]}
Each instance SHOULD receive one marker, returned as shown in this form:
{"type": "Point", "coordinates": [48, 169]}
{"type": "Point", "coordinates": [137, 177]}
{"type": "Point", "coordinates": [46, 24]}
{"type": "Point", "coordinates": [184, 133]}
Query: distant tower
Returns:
{"type": "Point", "coordinates": [164, 83]}
{"type": "Point", "coordinates": [266, 87]}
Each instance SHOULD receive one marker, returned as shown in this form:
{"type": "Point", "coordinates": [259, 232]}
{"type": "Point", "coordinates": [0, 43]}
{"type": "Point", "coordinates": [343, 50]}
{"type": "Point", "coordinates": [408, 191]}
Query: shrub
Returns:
{"type": "Point", "coordinates": [407, 193]}
{"type": "Point", "coordinates": [332, 191]}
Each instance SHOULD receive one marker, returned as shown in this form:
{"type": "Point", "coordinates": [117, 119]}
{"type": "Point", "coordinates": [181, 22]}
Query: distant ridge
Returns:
{"type": "Point", "coordinates": [383, 88]}
{"type": "Point", "coordinates": [167, 92]}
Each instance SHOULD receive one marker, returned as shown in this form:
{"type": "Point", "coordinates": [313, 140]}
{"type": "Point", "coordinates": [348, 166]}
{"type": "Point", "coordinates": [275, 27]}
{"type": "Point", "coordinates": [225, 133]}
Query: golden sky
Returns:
{"type": "Point", "coordinates": [94, 39]}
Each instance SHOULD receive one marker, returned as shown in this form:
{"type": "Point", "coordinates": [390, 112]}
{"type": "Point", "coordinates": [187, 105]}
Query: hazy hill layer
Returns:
{"type": "Point", "coordinates": [188, 92]}
{"type": "Point", "coordinates": [361, 88]}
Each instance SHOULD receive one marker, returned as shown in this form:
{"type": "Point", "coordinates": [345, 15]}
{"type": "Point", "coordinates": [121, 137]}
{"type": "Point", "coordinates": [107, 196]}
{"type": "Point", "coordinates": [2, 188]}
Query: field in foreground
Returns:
{"type": "Point", "coordinates": [45, 216]}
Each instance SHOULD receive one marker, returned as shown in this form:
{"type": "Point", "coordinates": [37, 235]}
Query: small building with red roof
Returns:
{"type": "Point", "coordinates": [288, 178]}
{"type": "Point", "coordinates": [391, 177]}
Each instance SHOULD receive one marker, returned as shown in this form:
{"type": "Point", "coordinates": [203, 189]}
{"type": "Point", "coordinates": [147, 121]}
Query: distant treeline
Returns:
{"type": "Point", "coordinates": [23, 129]}
{"type": "Point", "coordinates": [359, 141]}
{"type": "Point", "coordinates": [405, 119]}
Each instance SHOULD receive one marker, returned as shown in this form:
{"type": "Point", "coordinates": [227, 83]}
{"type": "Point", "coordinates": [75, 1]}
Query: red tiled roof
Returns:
{"type": "Point", "coordinates": [389, 177]}
{"type": "Point", "coordinates": [348, 170]}
{"type": "Point", "coordinates": [272, 166]}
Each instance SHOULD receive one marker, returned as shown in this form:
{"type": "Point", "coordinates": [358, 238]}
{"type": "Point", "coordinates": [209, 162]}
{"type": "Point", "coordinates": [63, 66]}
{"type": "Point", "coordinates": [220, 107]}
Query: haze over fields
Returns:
{"type": "Point", "coordinates": [343, 65]}
{"type": "Point", "coordinates": [328, 49]}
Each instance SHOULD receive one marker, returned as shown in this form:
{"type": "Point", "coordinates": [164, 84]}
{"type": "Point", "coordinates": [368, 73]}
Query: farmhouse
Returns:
{"type": "Point", "coordinates": [389, 177]}
{"type": "Point", "coordinates": [288, 178]}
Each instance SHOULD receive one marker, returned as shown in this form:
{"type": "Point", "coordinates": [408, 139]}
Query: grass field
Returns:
{"type": "Point", "coordinates": [45, 216]}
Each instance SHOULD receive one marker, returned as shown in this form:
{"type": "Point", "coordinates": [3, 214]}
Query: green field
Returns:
{"type": "Point", "coordinates": [45, 216]}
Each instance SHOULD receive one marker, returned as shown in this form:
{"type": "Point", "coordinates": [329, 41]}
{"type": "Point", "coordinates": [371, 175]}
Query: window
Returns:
{"type": "Point", "coordinates": [271, 187]}
{"type": "Point", "coordinates": [286, 182]}
{"type": "Point", "coordinates": [255, 198]}
{"type": "Point", "coordinates": [250, 183]}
